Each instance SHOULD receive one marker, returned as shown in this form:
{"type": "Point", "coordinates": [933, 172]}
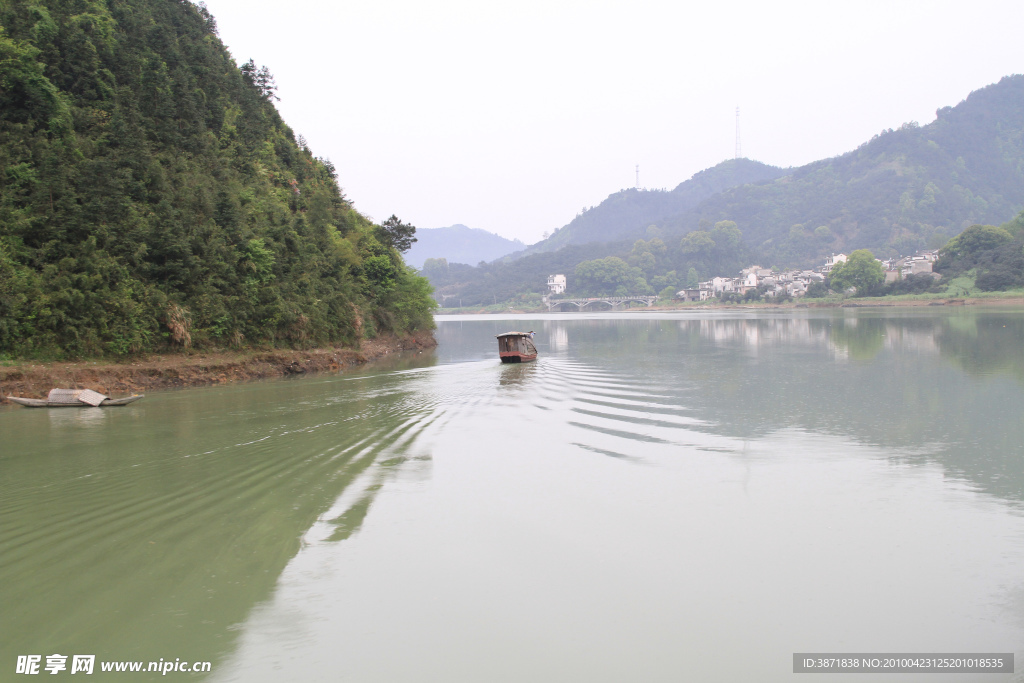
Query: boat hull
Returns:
{"type": "Point", "coordinates": [514, 357]}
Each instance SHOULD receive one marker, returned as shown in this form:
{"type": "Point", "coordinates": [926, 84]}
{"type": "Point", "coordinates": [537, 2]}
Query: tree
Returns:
{"type": "Point", "coordinates": [1015, 226]}
{"type": "Point", "coordinates": [697, 242]}
{"type": "Point", "coordinates": [261, 79]}
{"type": "Point", "coordinates": [860, 271]}
{"type": "Point", "coordinates": [998, 279]}
{"type": "Point", "coordinates": [610, 275]}
{"type": "Point", "coordinates": [394, 233]}
{"type": "Point", "coordinates": [976, 238]}
{"type": "Point", "coordinates": [726, 236]}
{"type": "Point", "coordinates": [692, 281]}
{"type": "Point", "coordinates": [436, 270]}
{"type": "Point", "coordinates": [816, 290]}
{"type": "Point", "coordinates": [266, 84]}
{"type": "Point", "coordinates": [648, 264]}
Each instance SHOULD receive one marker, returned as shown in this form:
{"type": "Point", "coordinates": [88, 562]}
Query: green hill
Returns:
{"type": "Point", "coordinates": [905, 189]}
{"type": "Point", "coordinates": [151, 197]}
{"type": "Point", "coordinates": [626, 214]}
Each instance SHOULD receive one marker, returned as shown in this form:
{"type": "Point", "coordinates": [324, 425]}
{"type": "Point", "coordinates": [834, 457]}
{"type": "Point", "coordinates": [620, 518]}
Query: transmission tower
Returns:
{"type": "Point", "coordinates": [739, 149]}
{"type": "Point", "coordinates": [638, 176]}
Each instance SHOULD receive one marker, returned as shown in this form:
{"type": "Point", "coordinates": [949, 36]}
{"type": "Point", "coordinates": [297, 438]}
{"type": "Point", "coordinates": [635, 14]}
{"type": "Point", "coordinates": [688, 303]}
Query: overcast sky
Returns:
{"type": "Point", "coordinates": [512, 117]}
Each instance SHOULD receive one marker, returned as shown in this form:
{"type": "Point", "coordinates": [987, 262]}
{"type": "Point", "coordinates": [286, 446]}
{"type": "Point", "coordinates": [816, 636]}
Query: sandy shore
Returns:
{"type": "Point", "coordinates": [164, 371]}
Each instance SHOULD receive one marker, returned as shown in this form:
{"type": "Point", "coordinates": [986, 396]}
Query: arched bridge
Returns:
{"type": "Point", "coordinates": [613, 301]}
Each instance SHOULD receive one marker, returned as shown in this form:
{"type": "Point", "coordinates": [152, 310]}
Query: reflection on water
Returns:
{"type": "Point", "coordinates": [516, 375]}
{"type": "Point", "coordinates": [981, 342]}
{"type": "Point", "coordinates": [558, 335]}
{"type": "Point", "coordinates": [150, 530]}
{"type": "Point", "coordinates": [667, 492]}
{"type": "Point", "coordinates": [80, 417]}
{"type": "Point", "coordinates": [642, 504]}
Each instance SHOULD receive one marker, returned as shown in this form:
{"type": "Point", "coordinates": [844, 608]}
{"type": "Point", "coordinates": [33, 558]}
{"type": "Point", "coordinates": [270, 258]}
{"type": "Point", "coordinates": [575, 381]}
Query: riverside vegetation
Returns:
{"type": "Point", "coordinates": [983, 258]}
{"type": "Point", "coordinates": [152, 198]}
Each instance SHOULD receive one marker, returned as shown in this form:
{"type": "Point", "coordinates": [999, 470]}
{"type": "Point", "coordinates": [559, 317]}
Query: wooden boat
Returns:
{"type": "Point", "coordinates": [516, 347]}
{"type": "Point", "coordinates": [74, 398]}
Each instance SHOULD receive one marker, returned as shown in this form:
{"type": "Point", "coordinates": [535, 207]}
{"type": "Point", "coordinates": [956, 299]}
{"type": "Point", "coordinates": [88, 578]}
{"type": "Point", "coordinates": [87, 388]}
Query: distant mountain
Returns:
{"type": "Point", "coordinates": [627, 213]}
{"type": "Point", "coordinates": [459, 244]}
{"type": "Point", "coordinates": [903, 190]}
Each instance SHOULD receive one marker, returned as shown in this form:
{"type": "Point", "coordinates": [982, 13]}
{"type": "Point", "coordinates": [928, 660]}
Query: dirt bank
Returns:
{"type": "Point", "coordinates": [165, 371]}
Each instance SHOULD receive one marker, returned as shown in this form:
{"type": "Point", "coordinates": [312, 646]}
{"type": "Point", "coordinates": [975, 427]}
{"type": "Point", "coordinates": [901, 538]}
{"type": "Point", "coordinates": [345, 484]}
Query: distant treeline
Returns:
{"type": "Point", "coordinates": [991, 258]}
{"type": "Point", "coordinates": [151, 197]}
{"type": "Point", "coordinates": [647, 266]}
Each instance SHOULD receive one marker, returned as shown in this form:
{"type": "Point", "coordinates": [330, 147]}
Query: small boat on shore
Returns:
{"type": "Point", "coordinates": [74, 398]}
{"type": "Point", "coordinates": [516, 347]}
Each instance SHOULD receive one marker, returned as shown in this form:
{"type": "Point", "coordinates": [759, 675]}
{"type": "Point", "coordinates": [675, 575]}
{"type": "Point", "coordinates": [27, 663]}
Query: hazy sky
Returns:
{"type": "Point", "coordinates": [512, 117]}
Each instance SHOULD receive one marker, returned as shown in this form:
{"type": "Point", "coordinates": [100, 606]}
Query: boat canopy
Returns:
{"type": "Point", "coordinates": [514, 334]}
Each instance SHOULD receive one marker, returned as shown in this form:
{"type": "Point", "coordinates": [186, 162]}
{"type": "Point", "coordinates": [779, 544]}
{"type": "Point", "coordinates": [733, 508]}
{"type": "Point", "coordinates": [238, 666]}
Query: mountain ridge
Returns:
{"type": "Point", "coordinates": [903, 190]}
{"type": "Point", "coordinates": [627, 212]}
{"type": "Point", "coordinates": [900, 191]}
{"type": "Point", "coordinates": [458, 244]}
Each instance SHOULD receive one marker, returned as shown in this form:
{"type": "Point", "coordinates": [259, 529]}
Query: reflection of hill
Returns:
{"type": "Point", "coordinates": [154, 537]}
{"type": "Point", "coordinates": [985, 346]}
{"type": "Point", "coordinates": [929, 385]}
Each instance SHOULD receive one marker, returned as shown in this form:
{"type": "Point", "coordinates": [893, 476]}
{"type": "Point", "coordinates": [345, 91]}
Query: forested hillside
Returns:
{"type": "Point", "coordinates": [626, 214]}
{"type": "Point", "coordinates": [151, 197]}
{"type": "Point", "coordinates": [904, 190]}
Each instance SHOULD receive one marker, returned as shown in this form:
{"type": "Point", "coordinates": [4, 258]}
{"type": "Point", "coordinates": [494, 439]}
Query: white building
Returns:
{"type": "Point", "coordinates": [831, 261]}
{"type": "Point", "coordinates": [556, 284]}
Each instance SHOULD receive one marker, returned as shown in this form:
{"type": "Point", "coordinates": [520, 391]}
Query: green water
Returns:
{"type": "Point", "coordinates": [660, 497]}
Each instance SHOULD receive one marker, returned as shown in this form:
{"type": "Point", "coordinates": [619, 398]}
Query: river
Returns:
{"type": "Point", "coordinates": [660, 497]}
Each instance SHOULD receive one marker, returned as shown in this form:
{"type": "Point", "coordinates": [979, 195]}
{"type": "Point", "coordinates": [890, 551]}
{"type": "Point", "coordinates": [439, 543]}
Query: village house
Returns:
{"type": "Point", "coordinates": [690, 295]}
{"type": "Point", "coordinates": [556, 284]}
{"type": "Point", "coordinates": [899, 268]}
{"type": "Point", "coordinates": [831, 261]}
{"type": "Point", "coordinates": [723, 284]}
{"type": "Point", "coordinates": [915, 264]}
{"type": "Point", "coordinates": [795, 283]}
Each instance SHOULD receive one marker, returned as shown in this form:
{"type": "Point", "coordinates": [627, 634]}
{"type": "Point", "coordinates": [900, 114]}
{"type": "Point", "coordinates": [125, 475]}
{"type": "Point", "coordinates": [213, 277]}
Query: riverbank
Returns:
{"type": "Point", "coordinates": [995, 299]}
{"type": "Point", "coordinates": [166, 371]}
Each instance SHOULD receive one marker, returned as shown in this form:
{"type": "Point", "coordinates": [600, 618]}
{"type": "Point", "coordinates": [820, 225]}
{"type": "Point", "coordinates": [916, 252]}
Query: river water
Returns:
{"type": "Point", "coordinates": [660, 497]}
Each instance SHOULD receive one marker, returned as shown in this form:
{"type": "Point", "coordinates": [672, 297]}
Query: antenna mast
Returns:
{"type": "Point", "coordinates": [638, 176]}
{"type": "Point", "coordinates": [739, 149]}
